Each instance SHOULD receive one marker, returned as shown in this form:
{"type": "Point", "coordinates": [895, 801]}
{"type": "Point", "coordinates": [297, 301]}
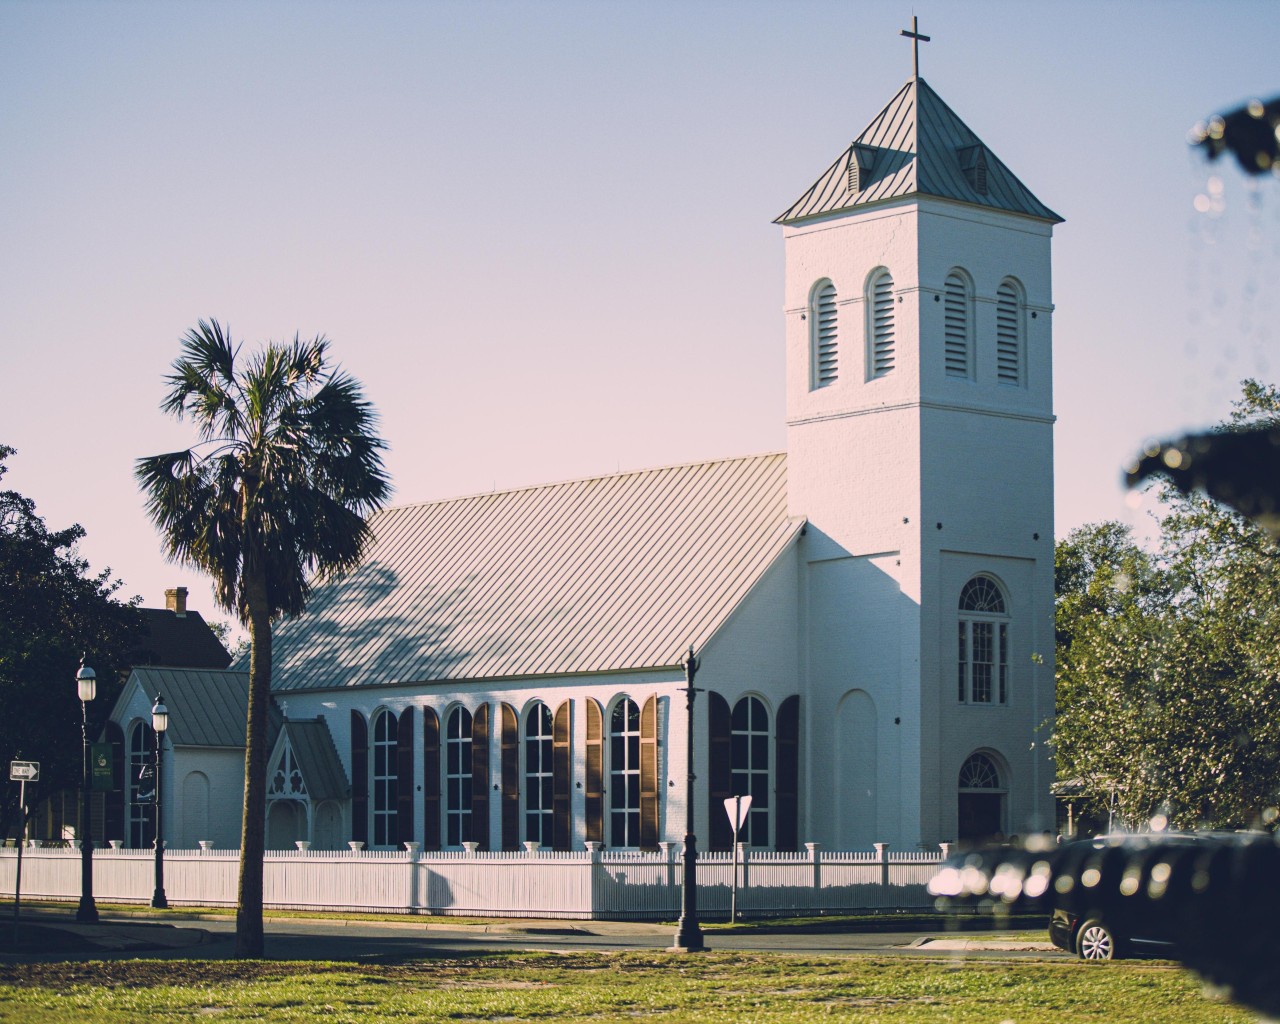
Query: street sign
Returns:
{"type": "Point", "coordinates": [737, 807]}
{"type": "Point", "coordinates": [24, 771]}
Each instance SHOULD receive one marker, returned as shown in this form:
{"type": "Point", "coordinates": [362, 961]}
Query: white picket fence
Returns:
{"type": "Point", "coordinates": [591, 884]}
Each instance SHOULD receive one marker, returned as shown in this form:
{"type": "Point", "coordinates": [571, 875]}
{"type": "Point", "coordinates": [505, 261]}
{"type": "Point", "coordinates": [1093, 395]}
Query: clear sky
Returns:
{"type": "Point", "coordinates": [540, 232]}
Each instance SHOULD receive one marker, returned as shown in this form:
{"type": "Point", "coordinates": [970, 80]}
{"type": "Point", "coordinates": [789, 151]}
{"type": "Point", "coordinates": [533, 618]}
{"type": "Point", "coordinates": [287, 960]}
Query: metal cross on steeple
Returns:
{"type": "Point", "coordinates": [916, 39]}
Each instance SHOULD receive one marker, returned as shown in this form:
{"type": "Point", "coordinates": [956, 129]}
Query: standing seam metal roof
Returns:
{"type": "Point", "coordinates": [611, 573]}
{"type": "Point", "coordinates": [917, 143]}
{"type": "Point", "coordinates": [317, 759]}
{"type": "Point", "coordinates": [207, 707]}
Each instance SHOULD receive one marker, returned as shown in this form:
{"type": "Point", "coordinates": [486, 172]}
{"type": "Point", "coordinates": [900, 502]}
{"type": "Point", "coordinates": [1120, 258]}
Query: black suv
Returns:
{"type": "Point", "coordinates": [1124, 895]}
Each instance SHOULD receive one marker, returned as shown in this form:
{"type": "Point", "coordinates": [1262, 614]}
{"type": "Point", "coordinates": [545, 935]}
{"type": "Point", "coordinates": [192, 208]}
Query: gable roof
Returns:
{"type": "Point", "coordinates": [317, 758]}
{"type": "Point", "coordinates": [916, 146]}
{"type": "Point", "coordinates": [611, 573]}
{"type": "Point", "coordinates": [171, 639]}
{"type": "Point", "coordinates": [207, 707]}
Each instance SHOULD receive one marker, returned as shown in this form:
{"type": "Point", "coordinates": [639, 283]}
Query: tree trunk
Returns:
{"type": "Point", "coordinates": [249, 938]}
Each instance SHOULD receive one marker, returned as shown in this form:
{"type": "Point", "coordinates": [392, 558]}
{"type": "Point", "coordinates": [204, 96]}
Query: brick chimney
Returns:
{"type": "Point", "coordinates": [176, 601]}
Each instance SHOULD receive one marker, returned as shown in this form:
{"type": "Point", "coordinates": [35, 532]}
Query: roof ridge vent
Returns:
{"type": "Point", "coordinates": [973, 161]}
{"type": "Point", "coordinates": [861, 160]}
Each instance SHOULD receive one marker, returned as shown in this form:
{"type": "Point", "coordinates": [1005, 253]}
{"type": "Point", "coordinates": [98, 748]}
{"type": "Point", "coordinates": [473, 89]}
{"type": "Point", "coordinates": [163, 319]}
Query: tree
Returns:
{"type": "Point", "coordinates": [53, 611]}
{"type": "Point", "coordinates": [1169, 661]}
{"type": "Point", "coordinates": [271, 499]}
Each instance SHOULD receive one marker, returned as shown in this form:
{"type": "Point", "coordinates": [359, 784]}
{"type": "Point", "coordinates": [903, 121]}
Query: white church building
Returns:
{"type": "Point", "coordinates": [872, 608]}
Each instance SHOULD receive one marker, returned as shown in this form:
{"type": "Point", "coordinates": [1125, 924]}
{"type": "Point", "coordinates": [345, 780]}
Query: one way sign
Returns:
{"type": "Point", "coordinates": [24, 771]}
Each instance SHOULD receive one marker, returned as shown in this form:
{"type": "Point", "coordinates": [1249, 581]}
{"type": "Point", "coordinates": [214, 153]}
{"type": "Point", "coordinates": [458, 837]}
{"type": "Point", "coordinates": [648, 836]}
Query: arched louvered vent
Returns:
{"type": "Point", "coordinates": [826, 364]}
{"type": "Point", "coordinates": [1008, 334]}
{"type": "Point", "coordinates": [882, 328]}
{"type": "Point", "coordinates": [980, 175]}
{"type": "Point", "coordinates": [955, 306]}
{"type": "Point", "coordinates": [860, 161]}
{"type": "Point", "coordinates": [973, 159]}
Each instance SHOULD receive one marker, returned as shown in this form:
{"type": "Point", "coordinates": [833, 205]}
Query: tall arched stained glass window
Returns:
{"type": "Point", "coordinates": [624, 774]}
{"type": "Point", "coordinates": [751, 775]}
{"type": "Point", "coordinates": [539, 792]}
{"type": "Point", "coordinates": [457, 777]}
{"type": "Point", "coordinates": [983, 643]}
{"type": "Point", "coordinates": [384, 779]}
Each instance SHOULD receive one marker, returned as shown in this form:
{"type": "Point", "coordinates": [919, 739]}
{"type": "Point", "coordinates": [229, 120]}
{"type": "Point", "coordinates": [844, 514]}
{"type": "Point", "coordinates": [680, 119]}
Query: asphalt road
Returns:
{"type": "Point", "coordinates": [123, 935]}
{"type": "Point", "coordinates": [393, 942]}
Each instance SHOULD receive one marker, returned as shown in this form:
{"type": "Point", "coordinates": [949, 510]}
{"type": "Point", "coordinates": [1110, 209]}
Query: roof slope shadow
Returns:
{"type": "Point", "coordinates": [336, 642]}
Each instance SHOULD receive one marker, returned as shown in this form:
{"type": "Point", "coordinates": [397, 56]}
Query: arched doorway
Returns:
{"type": "Point", "coordinates": [980, 801]}
{"type": "Point", "coordinates": [286, 824]}
{"type": "Point", "coordinates": [195, 810]}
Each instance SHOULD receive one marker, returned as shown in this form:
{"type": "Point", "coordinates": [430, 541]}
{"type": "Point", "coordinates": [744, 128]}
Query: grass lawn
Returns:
{"type": "Point", "coordinates": [760, 988]}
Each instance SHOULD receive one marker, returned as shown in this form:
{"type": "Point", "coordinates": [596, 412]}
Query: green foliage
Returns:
{"type": "Point", "coordinates": [286, 468]}
{"type": "Point", "coordinates": [53, 610]}
{"type": "Point", "coordinates": [1168, 661]}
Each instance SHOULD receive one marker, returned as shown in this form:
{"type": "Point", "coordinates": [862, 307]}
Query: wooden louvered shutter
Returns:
{"type": "Point", "coordinates": [430, 780]}
{"type": "Point", "coordinates": [595, 772]}
{"type": "Point", "coordinates": [480, 776]}
{"type": "Point", "coordinates": [404, 776]}
{"type": "Point", "coordinates": [113, 811]}
{"type": "Point", "coordinates": [882, 329]}
{"type": "Point", "coordinates": [510, 778]}
{"type": "Point", "coordinates": [650, 795]}
{"type": "Point", "coordinates": [720, 770]}
{"type": "Point", "coordinates": [787, 834]}
{"type": "Point", "coordinates": [359, 778]}
{"type": "Point", "coordinates": [561, 780]}
{"type": "Point", "coordinates": [1008, 335]}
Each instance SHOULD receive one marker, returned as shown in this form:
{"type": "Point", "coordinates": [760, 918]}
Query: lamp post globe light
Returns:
{"type": "Point", "coordinates": [159, 723]}
{"type": "Point", "coordinates": [86, 690]}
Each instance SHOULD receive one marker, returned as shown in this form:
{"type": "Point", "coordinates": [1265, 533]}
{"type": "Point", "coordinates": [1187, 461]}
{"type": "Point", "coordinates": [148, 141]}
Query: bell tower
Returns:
{"type": "Point", "coordinates": [919, 448]}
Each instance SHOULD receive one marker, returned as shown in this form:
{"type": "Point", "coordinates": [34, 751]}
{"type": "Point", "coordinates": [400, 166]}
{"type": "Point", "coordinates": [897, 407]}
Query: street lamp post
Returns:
{"type": "Point", "coordinates": [86, 689]}
{"type": "Point", "coordinates": [159, 723]}
{"type": "Point", "coordinates": [688, 933]}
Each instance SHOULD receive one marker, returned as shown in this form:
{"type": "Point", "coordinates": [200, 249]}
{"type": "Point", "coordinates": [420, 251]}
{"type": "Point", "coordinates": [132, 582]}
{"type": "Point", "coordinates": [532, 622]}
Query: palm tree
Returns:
{"type": "Point", "coordinates": [271, 499]}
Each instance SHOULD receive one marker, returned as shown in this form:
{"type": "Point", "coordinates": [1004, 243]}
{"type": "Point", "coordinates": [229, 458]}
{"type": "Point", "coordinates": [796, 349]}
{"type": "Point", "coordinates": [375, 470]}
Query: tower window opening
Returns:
{"type": "Point", "coordinates": [825, 341]}
{"type": "Point", "coordinates": [882, 336]}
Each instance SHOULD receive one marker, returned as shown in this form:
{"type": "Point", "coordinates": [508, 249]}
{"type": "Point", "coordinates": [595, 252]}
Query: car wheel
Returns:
{"type": "Point", "coordinates": [1095, 941]}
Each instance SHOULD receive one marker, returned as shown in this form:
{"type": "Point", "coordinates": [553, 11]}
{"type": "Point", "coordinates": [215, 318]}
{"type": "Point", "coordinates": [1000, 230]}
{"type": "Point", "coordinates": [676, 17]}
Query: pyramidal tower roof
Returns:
{"type": "Point", "coordinates": [917, 146]}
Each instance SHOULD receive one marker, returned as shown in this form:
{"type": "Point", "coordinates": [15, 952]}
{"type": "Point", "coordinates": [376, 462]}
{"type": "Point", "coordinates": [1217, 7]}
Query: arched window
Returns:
{"type": "Point", "coordinates": [539, 778]}
{"type": "Point", "coordinates": [142, 786]}
{"type": "Point", "coordinates": [1009, 333]}
{"type": "Point", "coordinates": [624, 774]}
{"type": "Point", "coordinates": [824, 336]}
{"type": "Point", "coordinates": [384, 778]}
{"type": "Point", "coordinates": [457, 777]}
{"type": "Point", "coordinates": [980, 803]}
{"type": "Point", "coordinates": [957, 307]}
{"type": "Point", "coordinates": [983, 660]}
{"type": "Point", "coordinates": [751, 776]}
{"type": "Point", "coordinates": [881, 336]}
